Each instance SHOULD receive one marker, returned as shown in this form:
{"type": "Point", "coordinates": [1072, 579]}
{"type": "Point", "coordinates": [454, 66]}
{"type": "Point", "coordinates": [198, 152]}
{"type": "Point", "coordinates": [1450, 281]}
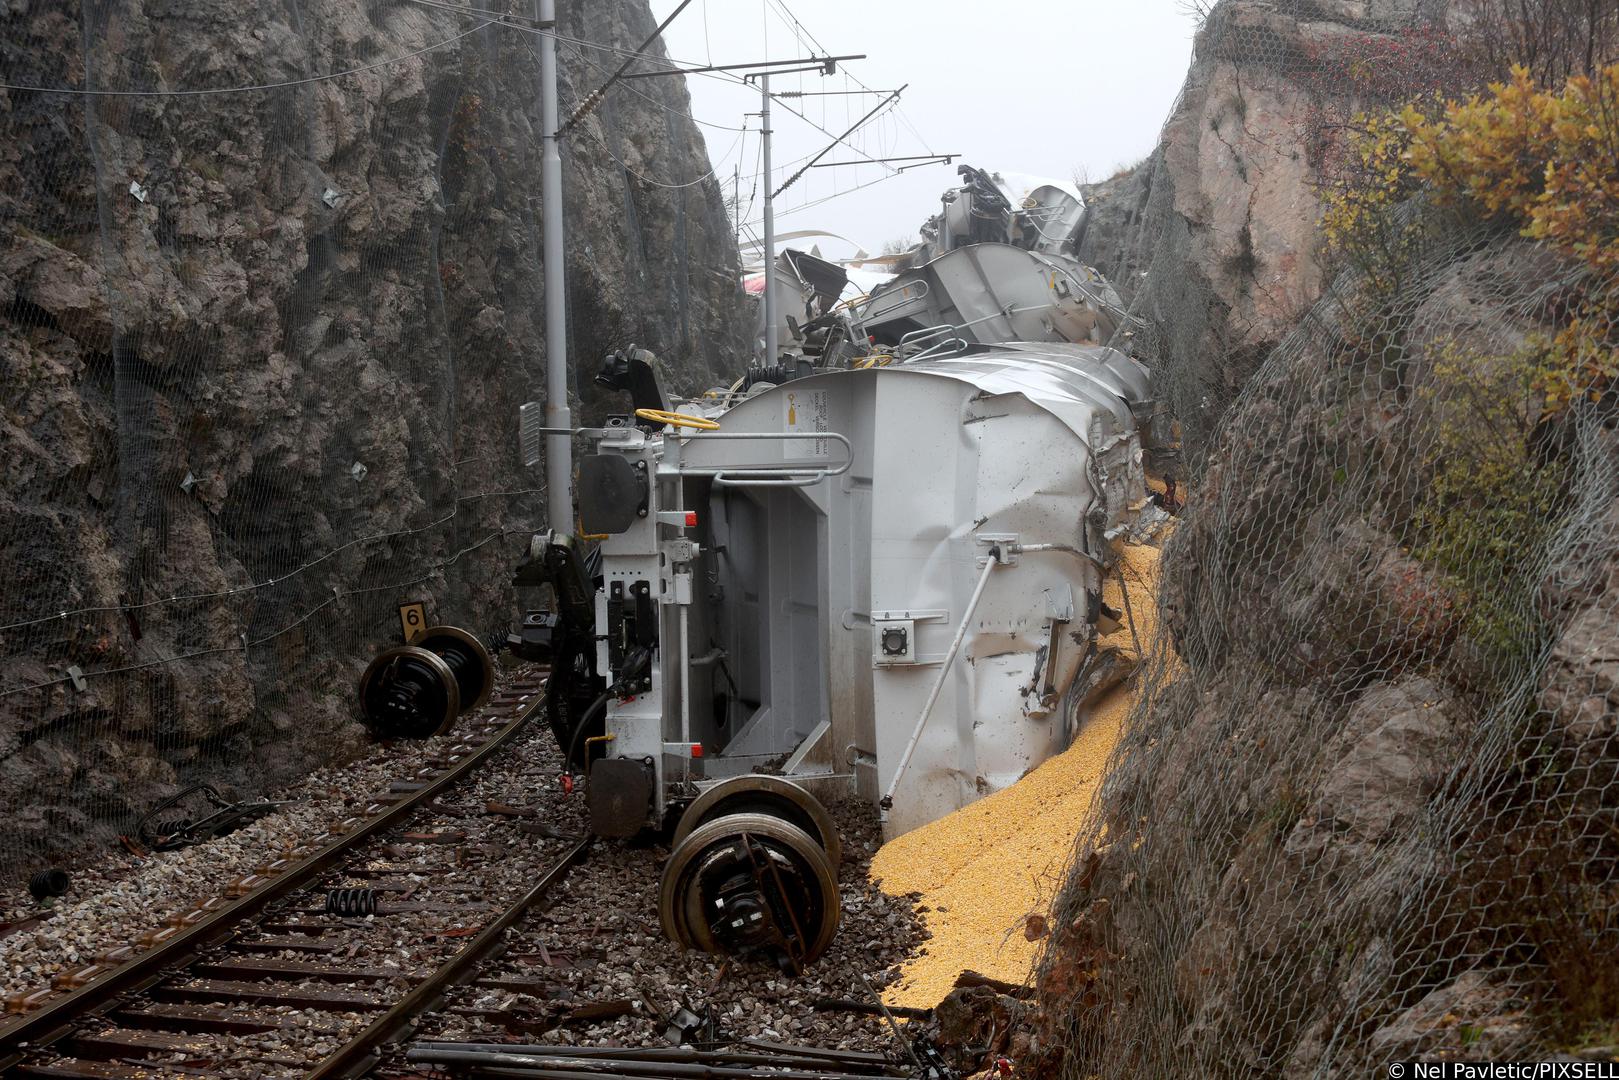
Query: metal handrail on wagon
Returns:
{"type": "Point", "coordinates": [746, 475]}
{"type": "Point", "coordinates": [771, 475]}
{"type": "Point", "coordinates": [901, 294]}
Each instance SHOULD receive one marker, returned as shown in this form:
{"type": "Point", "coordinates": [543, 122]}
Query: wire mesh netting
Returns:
{"type": "Point", "coordinates": [1367, 806]}
{"type": "Point", "coordinates": [270, 297]}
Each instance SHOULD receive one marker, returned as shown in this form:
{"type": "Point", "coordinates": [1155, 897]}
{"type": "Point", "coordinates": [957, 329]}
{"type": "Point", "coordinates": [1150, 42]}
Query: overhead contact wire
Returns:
{"type": "Point", "coordinates": [608, 150]}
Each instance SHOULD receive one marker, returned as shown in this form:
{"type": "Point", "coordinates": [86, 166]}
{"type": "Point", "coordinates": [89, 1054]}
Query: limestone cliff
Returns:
{"type": "Point", "coordinates": [269, 301]}
{"type": "Point", "coordinates": [1367, 807]}
{"type": "Point", "coordinates": [1212, 240]}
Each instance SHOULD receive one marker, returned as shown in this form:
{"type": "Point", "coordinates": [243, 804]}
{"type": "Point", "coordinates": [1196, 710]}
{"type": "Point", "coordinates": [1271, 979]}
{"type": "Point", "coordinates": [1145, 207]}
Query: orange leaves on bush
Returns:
{"type": "Point", "coordinates": [1549, 159]}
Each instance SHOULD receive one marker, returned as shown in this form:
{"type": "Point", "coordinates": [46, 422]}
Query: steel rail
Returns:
{"type": "Point", "coordinates": [423, 1051]}
{"type": "Point", "coordinates": [361, 1052]}
{"type": "Point", "coordinates": [55, 1019]}
{"type": "Point", "coordinates": [486, 1063]}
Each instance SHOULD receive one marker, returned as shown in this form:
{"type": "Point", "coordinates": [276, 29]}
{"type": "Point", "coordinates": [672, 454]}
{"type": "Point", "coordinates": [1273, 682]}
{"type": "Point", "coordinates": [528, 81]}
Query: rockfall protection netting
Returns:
{"type": "Point", "coordinates": [1369, 804]}
{"type": "Point", "coordinates": [270, 298]}
{"type": "Point", "coordinates": [1367, 807]}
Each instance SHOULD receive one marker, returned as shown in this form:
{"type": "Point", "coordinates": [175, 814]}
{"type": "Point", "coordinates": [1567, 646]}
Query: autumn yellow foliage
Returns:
{"type": "Point", "coordinates": [1545, 161]}
{"type": "Point", "coordinates": [1359, 219]}
{"type": "Point", "coordinates": [1548, 160]}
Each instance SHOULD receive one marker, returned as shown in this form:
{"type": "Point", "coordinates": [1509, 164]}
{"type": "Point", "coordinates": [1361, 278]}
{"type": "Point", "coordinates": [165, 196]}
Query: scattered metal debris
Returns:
{"type": "Point", "coordinates": [686, 1027]}
{"type": "Point", "coordinates": [929, 1062]}
{"type": "Point", "coordinates": [16, 926]}
{"type": "Point", "coordinates": [866, 1008]}
{"type": "Point", "coordinates": [158, 831]}
{"type": "Point", "coordinates": [1000, 986]}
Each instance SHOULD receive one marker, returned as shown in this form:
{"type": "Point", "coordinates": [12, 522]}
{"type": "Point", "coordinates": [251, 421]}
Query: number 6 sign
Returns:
{"type": "Point", "coordinates": [412, 620]}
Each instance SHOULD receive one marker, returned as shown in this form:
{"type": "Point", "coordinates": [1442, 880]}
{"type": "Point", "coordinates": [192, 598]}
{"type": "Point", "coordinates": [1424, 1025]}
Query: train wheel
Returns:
{"type": "Point", "coordinates": [417, 690]}
{"type": "Point", "coordinates": [473, 667]}
{"type": "Point", "coordinates": [409, 692]}
{"type": "Point", "coordinates": [758, 793]}
{"type": "Point", "coordinates": [750, 884]}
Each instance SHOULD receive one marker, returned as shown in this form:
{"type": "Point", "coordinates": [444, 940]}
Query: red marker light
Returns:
{"type": "Point", "coordinates": [696, 749]}
{"type": "Point", "coordinates": [691, 519]}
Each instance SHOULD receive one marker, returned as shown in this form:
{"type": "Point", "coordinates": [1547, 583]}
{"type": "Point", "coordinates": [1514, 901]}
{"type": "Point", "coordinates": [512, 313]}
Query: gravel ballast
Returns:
{"type": "Point", "coordinates": [595, 942]}
{"type": "Point", "coordinates": [115, 898]}
{"type": "Point", "coordinates": [602, 933]}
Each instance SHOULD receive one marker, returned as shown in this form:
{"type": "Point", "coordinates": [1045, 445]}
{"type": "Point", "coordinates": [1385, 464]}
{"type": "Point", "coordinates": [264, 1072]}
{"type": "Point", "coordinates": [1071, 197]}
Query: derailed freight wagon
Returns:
{"type": "Point", "coordinates": [879, 581]}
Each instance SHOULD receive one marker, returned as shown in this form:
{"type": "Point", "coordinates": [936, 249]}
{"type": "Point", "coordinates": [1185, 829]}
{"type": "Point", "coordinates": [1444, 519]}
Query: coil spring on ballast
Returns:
{"type": "Point", "coordinates": [48, 883]}
{"type": "Point", "coordinates": [170, 827]}
{"type": "Point", "coordinates": [351, 903]}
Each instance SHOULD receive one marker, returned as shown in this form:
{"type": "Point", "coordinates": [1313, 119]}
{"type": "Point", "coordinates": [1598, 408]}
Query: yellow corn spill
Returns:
{"type": "Point", "coordinates": [983, 870]}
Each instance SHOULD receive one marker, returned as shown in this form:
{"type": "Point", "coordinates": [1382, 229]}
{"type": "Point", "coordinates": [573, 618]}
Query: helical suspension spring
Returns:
{"type": "Point", "coordinates": [351, 903]}
{"type": "Point", "coordinates": [170, 826]}
{"type": "Point", "coordinates": [48, 883]}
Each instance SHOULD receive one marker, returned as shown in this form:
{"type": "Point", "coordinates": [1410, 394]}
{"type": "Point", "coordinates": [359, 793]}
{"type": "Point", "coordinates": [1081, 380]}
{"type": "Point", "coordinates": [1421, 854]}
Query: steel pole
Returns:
{"type": "Point", "coordinates": [559, 448]}
{"type": "Point", "coordinates": [770, 228]}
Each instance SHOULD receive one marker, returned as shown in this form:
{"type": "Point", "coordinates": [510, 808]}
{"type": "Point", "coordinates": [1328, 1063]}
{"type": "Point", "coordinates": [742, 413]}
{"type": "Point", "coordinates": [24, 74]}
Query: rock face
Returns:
{"type": "Point", "coordinates": [1212, 240]}
{"type": "Point", "coordinates": [1368, 808]}
{"type": "Point", "coordinates": [261, 352]}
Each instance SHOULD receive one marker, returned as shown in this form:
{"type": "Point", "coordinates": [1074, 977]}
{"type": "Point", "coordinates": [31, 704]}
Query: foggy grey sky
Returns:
{"type": "Point", "coordinates": [1048, 87]}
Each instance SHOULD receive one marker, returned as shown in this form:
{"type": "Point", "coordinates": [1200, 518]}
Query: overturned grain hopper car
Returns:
{"type": "Point", "coordinates": [871, 567]}
{"type": "Point", "coordinates": [875, 581]}
{"type": "Point", "coordinates": [998, 263]}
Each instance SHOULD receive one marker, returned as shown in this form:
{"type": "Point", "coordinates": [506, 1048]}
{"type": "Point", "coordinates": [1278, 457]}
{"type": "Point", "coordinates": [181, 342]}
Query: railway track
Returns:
{"type": "Point", "coordinates": [311, 964]}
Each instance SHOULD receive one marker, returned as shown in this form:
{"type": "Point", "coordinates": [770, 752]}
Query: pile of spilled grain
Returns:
{"type": "Point", "coordinates": [984, 869]}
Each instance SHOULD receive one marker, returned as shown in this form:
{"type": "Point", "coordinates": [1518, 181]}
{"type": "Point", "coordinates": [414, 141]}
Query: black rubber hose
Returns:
{"type": "Point", "coordinates": [640, 660]}
{"type": "Point", "coordinates": [584, 722]}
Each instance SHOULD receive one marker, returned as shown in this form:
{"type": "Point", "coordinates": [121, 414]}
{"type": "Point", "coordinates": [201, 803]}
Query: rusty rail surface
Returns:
{"type": "Point", "coordinates": [59, 1016]}
{"type": "Point", "coordinates": [361, 1052]}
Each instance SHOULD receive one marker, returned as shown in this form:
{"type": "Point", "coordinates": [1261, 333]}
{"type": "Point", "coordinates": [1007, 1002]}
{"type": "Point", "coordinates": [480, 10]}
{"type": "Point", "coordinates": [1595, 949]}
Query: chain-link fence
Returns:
{"type": "Point", "coordinates": [1367, 807]}
{"type": "Point", "coordinates": [270, 297]}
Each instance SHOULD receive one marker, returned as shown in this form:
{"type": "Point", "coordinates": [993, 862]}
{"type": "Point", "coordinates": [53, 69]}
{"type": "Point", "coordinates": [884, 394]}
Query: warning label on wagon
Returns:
{"type": "Point", "coordinates": [805, 413]}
